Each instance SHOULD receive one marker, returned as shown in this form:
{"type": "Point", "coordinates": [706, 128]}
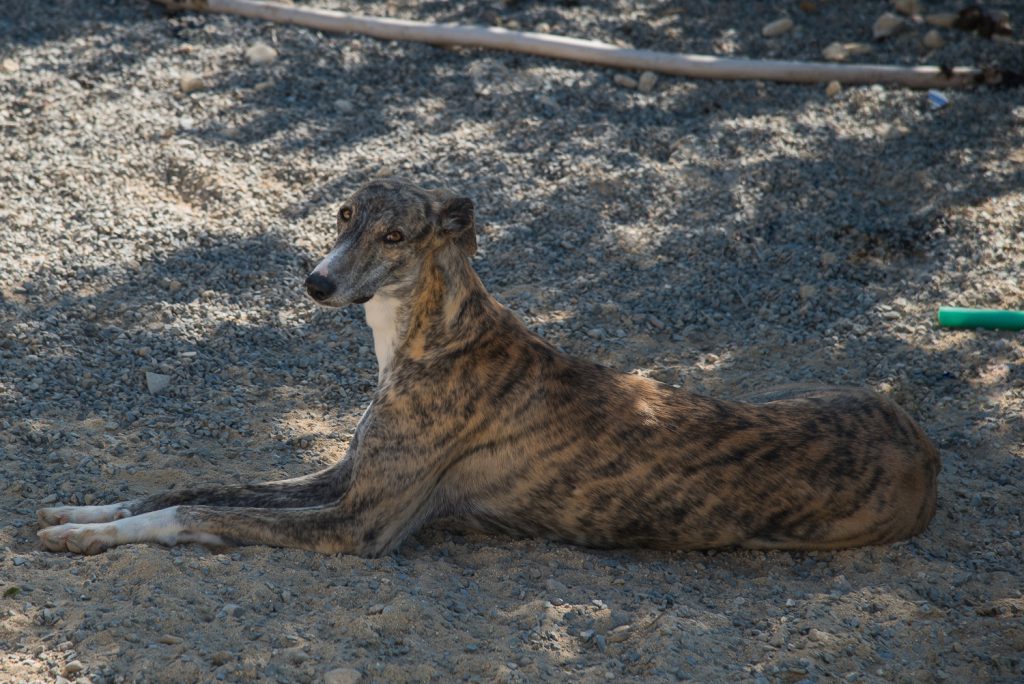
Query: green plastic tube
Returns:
{"type": "Point", "coordinates": [992, 319]}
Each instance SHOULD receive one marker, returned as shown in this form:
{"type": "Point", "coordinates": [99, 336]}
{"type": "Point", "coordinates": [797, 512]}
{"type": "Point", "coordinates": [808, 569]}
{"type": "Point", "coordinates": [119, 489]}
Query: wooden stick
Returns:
{"type": "Point", "coordinates": [590, 51]}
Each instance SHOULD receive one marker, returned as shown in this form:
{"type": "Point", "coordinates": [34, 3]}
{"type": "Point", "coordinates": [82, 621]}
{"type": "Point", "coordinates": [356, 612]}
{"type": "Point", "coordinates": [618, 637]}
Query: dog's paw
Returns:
{"type": "Point", "coordinates": [59, 515]}
{"type": "Point", "coordinates": [48, 517]}
{"type": "Point", "coordinates": [88, 539]}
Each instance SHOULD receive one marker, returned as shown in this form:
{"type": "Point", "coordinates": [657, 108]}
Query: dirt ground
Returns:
{"type": "Point", "coordinates": [162, 198]}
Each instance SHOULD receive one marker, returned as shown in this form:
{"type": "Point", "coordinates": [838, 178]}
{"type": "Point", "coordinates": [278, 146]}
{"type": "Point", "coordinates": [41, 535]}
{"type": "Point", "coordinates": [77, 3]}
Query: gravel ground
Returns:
{"type": "Point", "coordinates": [721, 236]}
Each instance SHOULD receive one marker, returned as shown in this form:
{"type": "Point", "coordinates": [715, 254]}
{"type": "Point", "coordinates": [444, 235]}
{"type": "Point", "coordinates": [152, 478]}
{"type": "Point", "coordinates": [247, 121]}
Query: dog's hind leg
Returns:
{"type": "Point", "coordinates": [309, 490]}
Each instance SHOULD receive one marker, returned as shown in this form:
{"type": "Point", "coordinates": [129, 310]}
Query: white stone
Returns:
{"type": "Point", "coordinates": [190, 83]}
{"type": "Point", "coordinates": [260, 53]}
{"type": "Point", "coordinates": [646, 82]}
{"type": "Point", "coordinates": [839, 52]}
{"type": "Point", "coordinates": [776, 28]}
{"type": "Point", "coordinates": [835, 52]}
{"type": "Point", "coordinates": [887, 25]}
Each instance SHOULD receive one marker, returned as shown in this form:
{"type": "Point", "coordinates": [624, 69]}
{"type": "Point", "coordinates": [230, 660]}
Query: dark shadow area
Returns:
{"type": "Point", "coordinates": [226, 320]}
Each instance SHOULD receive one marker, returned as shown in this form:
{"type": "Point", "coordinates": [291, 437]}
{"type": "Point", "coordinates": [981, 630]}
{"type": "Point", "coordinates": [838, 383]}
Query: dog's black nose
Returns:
{"type": "Point", "coordinates": [318, 287]}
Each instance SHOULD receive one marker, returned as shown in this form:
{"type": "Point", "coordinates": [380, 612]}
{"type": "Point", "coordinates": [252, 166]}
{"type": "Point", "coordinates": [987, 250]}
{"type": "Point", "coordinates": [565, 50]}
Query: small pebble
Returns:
{"type": "Point", "coordinates": [835, 52]}
{"type": "Point", "coordinates": [157, 382]}
{"type": "Point", "coordinates": [646, 82]}
{"type": "Point", "coordinates": [907, 7]}
{"type": "Point", "coordinates": [840, 52]}
{"type": "Point", "coordinates": [260, 53]}
{"type": "Point", "coordinates": [72, 668]}
{"type": "Point", "coordinates": [170, 639]}
{"type": "Point", "coordinates": [833, 88]}
{"type": "Point", "coordinates": [625, 81]}
{"type": "Point", "coordinates": [295, 655]}
{"type": "Point", "coordinates": [191, 83]}
{"type": "Point", "coordinates": [933, 40]}
{"type": "Point", "coordinates": [777, 28]}
{"type": "Point", "coordinates": [342, 675]}
{"type": "Point", "coordinates": [887, 25]}
{"type": "Point", "coordinates": [620, 633]}
{"type": "Point", "coordinates": [10, 65]}
{"type": "Point", "coordinates": [229, 610]}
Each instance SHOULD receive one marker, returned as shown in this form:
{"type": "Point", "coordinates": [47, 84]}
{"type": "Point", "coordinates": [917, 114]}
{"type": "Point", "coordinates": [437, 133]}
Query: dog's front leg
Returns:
{"type": "Point", "coordinates": [164, 526]}
{"type": "Point", "coordinates": [317, 489]}
{"type": "Point", "coordinates": [327, 529]}
{"type": "Point", "coordinates": [372, 517]}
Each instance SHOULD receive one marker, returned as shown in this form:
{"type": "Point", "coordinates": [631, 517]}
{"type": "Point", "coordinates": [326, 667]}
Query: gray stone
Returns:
{"type": "Point", "coordinates": [342, 675]}
{"type": "Point", "coordinates": [157, 382]}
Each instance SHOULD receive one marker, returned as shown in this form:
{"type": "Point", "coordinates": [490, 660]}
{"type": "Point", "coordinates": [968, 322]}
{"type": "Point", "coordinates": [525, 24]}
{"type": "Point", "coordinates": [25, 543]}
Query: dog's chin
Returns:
{"type": "Point", "coordinates": [337, 302]}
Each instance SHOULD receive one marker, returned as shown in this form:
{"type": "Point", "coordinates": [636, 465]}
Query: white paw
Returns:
{"type": "Point", "coordinates": [88, 539]}
{"type": "Point", "coordinates": [59, 515]}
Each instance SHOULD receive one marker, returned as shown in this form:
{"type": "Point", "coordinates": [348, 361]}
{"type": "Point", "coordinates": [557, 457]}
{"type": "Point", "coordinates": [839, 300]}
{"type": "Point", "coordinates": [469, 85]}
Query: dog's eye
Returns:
{"type": "Point", "coordinates": [394, 236]}
{"type": "Point", "coordinates": [344, 214]}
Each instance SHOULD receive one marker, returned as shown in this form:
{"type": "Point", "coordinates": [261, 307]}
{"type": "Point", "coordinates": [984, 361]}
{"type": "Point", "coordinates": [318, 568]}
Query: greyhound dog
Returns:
{"type": "Point", "coordinates": [478, 418]}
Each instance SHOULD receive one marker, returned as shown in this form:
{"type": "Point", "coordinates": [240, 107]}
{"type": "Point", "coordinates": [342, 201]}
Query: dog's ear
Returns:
{"type": "Point", "coordinates": [457, 220]}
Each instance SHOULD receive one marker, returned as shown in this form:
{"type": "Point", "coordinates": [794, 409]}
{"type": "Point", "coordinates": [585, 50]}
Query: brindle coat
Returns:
{"type": "Point", "coordinates": [477, 417]}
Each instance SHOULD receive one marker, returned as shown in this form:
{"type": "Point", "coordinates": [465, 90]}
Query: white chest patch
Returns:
{"type": "Point", "coordinates": [382, 317]}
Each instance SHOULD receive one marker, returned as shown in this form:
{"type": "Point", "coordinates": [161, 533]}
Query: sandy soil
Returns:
{"type": "Point", "coordinates": [721, 236]}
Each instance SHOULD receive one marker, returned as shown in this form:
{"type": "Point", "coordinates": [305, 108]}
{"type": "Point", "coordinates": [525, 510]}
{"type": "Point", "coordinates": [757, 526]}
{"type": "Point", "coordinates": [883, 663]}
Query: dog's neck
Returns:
{"type": "Point", "coordinates": [408, 323]}
{"type": "Point", "coordinates": [384, 316]}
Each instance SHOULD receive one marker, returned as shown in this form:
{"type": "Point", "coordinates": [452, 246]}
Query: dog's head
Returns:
{"type": "Point", "coordinates": [386, 229]}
